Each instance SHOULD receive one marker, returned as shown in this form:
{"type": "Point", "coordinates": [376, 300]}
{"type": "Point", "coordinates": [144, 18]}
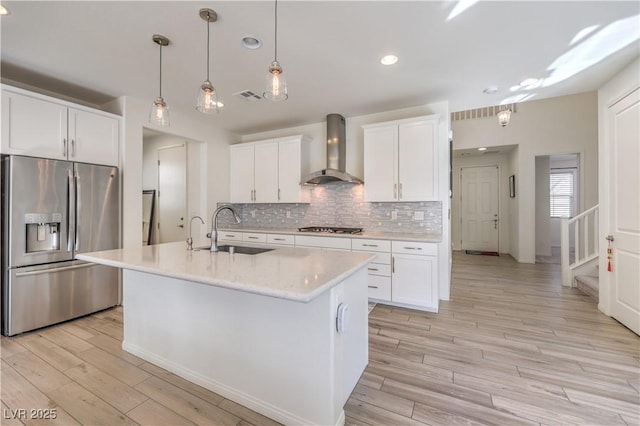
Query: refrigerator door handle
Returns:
{"type": "Point", "coordinates": [76, 209]}
{"type": "Point", "coordinates": [48, 271]}
{"type": "Point", "coordinates": [71, 217]}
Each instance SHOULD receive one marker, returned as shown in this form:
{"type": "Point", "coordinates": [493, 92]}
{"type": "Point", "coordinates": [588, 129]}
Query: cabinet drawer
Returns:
{"type": "Point", "coordinates": [379, 287]}
{"type": "Point", "coordinates": [230, 236]}
{"type": "Point", "coordinates": [383, 258]}
{"type": "Point", "coordinates": [371, 245]}
{"type": "Point", "coordinates": [254, 237]}
{"type": "Point", "coordinates": [378, 269]}
{"type": "Point", "coordinates": [410, 247]}
{"type": "Point", "coordinates": [323, 242]}
{"type": "Point", "coordinates": [283, 239]}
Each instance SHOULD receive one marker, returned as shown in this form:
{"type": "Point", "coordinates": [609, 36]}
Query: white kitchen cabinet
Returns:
{"type": "Point", "coordinates": [379, 270]}
{"type": "Point", "coordinates": [269, 171]}
{"type": "Point", "coordinates": [229, 236]}
{"type": "Point", "coordinates": [254, 237]}
{"type": "Point", "coordinates": [401, 160]}
{"type": "Point", "coordinates": [282, 240]}
{"type": "Point", "coordinates": [40, 126]}
{"type": "Point", "coordinates": [414, 277]}
{"type": "Point", "coordinates": [325, 243]}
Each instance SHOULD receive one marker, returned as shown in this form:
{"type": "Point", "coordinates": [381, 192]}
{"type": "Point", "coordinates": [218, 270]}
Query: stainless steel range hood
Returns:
{"type": "Point", "coordinates": [336, 154]}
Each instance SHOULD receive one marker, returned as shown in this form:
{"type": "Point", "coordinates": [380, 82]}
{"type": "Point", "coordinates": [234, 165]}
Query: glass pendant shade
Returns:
{"type": "Point", "coordinates": [276, 84]}
{"type": "Point", "coordinates": [159, 114]}
{"type": "Point", "coordinates": [504, 117]}
{"type": "Point", "coordinates": [207, 101]}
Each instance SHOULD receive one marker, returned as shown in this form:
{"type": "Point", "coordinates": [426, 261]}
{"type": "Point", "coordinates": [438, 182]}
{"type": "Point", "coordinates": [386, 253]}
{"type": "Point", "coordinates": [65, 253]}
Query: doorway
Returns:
{"type": "Point", "coordinates": [172, 193]}
{"type": "Point", "coordinates": [479, 209]}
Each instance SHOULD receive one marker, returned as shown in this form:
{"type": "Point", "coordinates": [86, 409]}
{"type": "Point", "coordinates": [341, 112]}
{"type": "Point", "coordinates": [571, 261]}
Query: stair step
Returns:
{"type": "Point", "coordinates": [588, 284]}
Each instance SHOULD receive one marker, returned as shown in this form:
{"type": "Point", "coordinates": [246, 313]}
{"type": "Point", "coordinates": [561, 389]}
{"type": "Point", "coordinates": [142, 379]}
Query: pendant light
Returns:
{"type": "Point", "coordinates": [207, 100]}
{"type": "Point", "coordinates": [159, 114]}
{"type": "Point", "coordinates": [504, 117]}
{"type": "Point", "coordinates": [276, 83]}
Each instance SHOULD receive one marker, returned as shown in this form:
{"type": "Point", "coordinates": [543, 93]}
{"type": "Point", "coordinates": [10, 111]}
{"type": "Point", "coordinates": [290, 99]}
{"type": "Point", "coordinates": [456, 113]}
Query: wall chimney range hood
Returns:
{"type": "Point", "coordinates": [336, 154]}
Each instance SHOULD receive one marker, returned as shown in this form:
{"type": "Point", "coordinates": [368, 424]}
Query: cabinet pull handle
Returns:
{"type": "Point", "coordinates": [229, 235]}
{"type": "Point", "coordinates": [413, 248]}
{"type": "Point", "coordinates": [253, 238]}
{"type": "Point", "coordinates": [395, 190]}
{"type": "Point", "coordinates": [369, 245]}
{"type": "Point", "coordinates": [278, 194]}
{"type": "Point", "coordinates": [393, 265]}
{"type": "Point", "coordinates": [73, 147]}
{"type": "Point", "coordinates": [278, 239]}
{"type": "Point", "coordinates": [64, 146]}
{"type": "Point", "coordinates": [373, 286]}
{"type": "Point", "coordinates": [400, 192]}
{"type": "Point", "coordinates": [372, 269]}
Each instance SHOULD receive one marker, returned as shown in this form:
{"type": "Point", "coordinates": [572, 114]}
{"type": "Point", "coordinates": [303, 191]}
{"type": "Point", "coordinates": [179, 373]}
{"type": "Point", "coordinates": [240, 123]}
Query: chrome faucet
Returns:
{"type": "Point", "coordinates": [214, 225]}
{"type": "Point", "coordinates": [190, 239]}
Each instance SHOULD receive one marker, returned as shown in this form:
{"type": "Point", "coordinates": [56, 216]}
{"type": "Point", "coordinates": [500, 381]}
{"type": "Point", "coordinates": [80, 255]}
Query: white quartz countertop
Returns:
{"type": "Point", "coordinates": [287, 273]}
{"type": "Point", "coordinates": [427, 237]}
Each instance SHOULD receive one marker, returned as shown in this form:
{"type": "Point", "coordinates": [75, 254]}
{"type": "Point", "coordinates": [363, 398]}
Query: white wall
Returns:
{"type": "Point", "coordinates": [500, 160]}
{"type": "Point", "coordinates": [188, 125]}
{"type": "Point", "coordinates": [615, 89]}
{"type": "Point", "coordinates": [562, 125]}
{"type": "Point", "coordinates": [543, 207]}
{"type": "Point", "coordinates": [514, 207]}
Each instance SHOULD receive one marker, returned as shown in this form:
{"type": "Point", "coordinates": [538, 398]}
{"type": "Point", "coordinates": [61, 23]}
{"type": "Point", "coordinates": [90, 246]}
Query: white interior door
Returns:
{"type": "Point", "coordinates": [479, 208]}
{"type": "Point", "coordinates": [172, 193]}
{"type": "Point", "coordinates": [624, 204]}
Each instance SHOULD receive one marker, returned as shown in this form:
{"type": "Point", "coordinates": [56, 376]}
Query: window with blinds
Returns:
{"type": "Point", "coordinates": [562, 193]}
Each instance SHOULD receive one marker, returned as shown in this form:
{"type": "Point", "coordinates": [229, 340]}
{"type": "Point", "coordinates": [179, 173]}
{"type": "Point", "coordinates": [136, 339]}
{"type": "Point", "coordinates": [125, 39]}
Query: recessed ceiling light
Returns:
{"type": "Point", "coordinates": [251, 42]}
{"type": "Point", "coordinates": [491, 89]}
{"type": "Point", "coordinates": [482, 149]}
{"type": "Point", "coordinates": [389, 60]}
{"type": "Point", "coordinates": [3, 10]}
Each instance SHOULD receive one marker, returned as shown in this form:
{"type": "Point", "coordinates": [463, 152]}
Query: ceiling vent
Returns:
{"type": "Point", "coordinates": [248, 95]}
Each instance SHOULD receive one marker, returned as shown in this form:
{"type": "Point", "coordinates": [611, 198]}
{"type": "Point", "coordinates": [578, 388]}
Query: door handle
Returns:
{"type": "Point", "coordinates": [180, 226]}
{"type": "Point", "coordinates": [64, 146]}
{"type": "Point", "coordinates": [73, 147]}
{"type": "Point", "coordinates": [495, 223]}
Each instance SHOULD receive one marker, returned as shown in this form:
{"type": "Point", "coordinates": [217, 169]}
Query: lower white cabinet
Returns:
{"type": "Point", "coordinates": [414, 274]}
{"type": "Point", "coordinates": [379, 270]}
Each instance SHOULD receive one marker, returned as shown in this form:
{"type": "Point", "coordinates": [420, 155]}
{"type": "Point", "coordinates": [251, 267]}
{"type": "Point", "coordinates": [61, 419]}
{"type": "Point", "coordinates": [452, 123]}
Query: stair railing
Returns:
{"type": "Point", "coordinates": [584, 228]}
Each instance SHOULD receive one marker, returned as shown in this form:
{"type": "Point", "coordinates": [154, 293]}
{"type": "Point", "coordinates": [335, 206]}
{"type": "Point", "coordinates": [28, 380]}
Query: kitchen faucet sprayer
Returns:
{"type": "Point", "coordinates": [214, 225]}
{"type": "Point", "coordinates": [190, 239]}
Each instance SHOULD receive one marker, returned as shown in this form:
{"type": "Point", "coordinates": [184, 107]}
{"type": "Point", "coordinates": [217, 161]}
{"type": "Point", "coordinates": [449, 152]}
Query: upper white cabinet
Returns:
{"type": "Point", "coordinates": [40, 126]}
{"type": "Point", "coordinates": [269, 171]}
{"type": "Point", "coordinates": [401, 160]}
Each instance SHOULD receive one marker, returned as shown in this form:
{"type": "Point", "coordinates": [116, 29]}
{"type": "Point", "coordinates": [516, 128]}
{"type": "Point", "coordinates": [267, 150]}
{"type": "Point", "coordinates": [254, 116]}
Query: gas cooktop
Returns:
{"type": "Point", "coordinates": [330, 230]}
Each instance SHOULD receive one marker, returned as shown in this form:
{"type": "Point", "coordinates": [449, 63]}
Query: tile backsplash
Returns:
{"type": "Point", "coordinates": [341, 204]}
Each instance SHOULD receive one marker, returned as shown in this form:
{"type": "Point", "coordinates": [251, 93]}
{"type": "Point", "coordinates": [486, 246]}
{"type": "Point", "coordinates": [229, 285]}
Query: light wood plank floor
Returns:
{"type": "Point", "coordinates": [511, 347]}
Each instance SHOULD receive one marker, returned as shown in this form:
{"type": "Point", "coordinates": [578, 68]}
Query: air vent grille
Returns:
{"type": "Point", "coordinates": [491, 111]}
{"type": "Point", "coordinates": [248, 95]}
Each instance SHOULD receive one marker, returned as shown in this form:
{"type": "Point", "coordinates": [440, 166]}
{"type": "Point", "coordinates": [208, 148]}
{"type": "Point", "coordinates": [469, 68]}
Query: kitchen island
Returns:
{"type": "Point", "coordinates": [260, 330]}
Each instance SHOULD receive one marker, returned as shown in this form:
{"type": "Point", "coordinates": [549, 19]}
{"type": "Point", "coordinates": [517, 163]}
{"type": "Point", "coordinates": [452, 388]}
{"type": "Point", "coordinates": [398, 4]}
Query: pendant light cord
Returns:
{"type": "Point", "coordinates": [160, 71]}
{"type": "Point", "coordinates": [208, 22]}
{"type": "Point", "coordinates": [276, 31]}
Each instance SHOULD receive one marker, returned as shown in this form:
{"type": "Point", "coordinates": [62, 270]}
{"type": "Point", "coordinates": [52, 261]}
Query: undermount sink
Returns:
{"type": "Point", "coordinates": [238, 249]}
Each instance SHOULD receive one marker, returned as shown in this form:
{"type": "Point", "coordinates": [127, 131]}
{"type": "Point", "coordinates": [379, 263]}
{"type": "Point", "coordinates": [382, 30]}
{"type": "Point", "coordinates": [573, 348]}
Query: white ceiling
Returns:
{"type": "Point", "coordinates": [330, 52]}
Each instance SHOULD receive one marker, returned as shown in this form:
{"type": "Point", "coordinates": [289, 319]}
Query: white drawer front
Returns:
{"type": "Point", "coordinates": [383, 258]}
{"type": "Point", "coordinates": [323, 242]}
{"type": "Point", "coordinates": [378, 269]}
{"type": "Point", "coordinates": [379, 287]}
{"type": "Point", "coordinates": [253, 237]}
{"type": "Point", "coordinates": [370, 245]}
{"type": "Point", "coordinates": [409, 247]}
{"type": "Point", "coordinates": [282, 239]}
{"type": "Point", "coordinates": [229, 236]}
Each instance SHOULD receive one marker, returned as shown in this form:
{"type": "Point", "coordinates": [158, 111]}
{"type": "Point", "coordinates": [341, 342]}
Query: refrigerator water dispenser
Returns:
{"type": "Point", "coordinates": [42, 231]}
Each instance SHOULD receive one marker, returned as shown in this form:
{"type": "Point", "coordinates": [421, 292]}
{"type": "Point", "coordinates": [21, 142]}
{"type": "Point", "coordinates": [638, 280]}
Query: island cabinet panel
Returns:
{"type": "Point", "coordinates": [269, 171]}
{"type": "Point", "coordinates": [401, 160]}
{"type": "Point", "coordinates": [41, 126]}
{"type": "Point", "coordinates": [283, 359]}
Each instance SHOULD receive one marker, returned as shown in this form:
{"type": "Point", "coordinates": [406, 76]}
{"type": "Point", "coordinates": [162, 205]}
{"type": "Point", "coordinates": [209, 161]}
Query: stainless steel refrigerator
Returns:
{"type": "Point", "coordinates": [52, 210]}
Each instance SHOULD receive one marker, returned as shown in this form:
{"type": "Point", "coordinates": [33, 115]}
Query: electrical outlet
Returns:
{"type": "Point", "coordinates": [418, 215]}
{"type": "Point", "coordinates": [394, 214]}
